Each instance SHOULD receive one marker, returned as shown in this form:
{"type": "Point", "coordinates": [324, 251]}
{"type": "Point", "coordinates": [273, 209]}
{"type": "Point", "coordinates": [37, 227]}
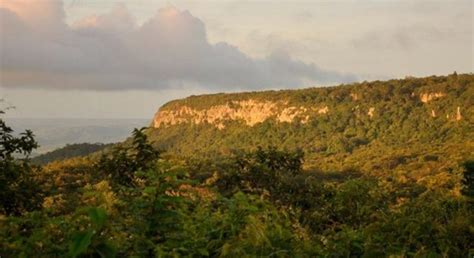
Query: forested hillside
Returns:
{"type": "Point", "coordinates": [411, 127]}
{"type": "Point", "coordinates": [69, 151]}
{"type": "Point", "coordinates": [379, 169]}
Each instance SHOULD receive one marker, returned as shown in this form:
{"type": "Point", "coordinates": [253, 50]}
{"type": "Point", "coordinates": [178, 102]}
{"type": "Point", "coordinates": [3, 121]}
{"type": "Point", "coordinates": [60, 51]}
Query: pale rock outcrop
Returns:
{"type": "Point", "coordinates": [458, 114]}
{"type": "Point", "coordinates": [354, 96]}
{"type": "Point", "coordinates": [250, 112]}
{"type": "Point", "coordinates": [427, 97]}
{"type": "Point", "coordinates": [305, 119]}
{"type": "Point", "coordinates": [288, 114]}
{"type": "Point", "coordinates": [371, 112]}
{"type": "Point", "coordinates": [323, 110]}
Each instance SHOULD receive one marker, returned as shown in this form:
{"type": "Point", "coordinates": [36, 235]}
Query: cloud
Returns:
{"type": "Point", "coordinates": [40, 14]}
{"type": "Point", "coordinates": [401, 38]}
{"type": "Point", "coordinates": [112, 52]}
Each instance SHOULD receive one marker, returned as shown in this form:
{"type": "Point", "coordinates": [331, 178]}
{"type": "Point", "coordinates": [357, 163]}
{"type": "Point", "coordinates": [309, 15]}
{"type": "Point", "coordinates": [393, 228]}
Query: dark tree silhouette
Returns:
{"type": "Point", "coordinates": [468, 179]}
{"type": "Point", "coordinates": [18, 190]}
{"type": "Point", "coordinates": [123, 161]}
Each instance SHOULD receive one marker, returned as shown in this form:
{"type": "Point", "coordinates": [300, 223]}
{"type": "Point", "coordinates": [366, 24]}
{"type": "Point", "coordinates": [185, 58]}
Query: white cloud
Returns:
{"type": "Point", "coordinates": [111, 52]}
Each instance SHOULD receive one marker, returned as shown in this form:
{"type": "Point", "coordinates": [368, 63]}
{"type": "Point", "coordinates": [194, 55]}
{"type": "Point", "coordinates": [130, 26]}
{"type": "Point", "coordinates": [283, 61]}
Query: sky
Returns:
{"type": "Point", "coordinates": [124, 59]}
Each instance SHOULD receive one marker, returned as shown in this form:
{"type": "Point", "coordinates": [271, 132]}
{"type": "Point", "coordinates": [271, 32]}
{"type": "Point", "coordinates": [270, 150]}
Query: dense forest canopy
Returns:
{"type": "Point", "coordinates": [396, 181]}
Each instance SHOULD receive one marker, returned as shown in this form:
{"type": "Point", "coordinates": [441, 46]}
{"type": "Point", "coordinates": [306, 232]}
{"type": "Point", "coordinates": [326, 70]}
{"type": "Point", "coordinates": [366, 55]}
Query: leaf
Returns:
{"type": "Point", "coordinates": [150, 190]}
{"type": "Point", "coordinates": [203, 252]}
{"type": "Point", "coordinates": [106, 250]}
{"type": "Point", "coordinates": [226, 249]}
{"type": "Point", "coordinates": [97, 216]}
{"type": "Point", "coordinates": [80, 243]}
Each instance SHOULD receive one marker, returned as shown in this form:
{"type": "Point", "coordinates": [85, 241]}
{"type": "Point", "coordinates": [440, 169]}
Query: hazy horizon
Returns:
{"type": "Point", "coordinates": [53, 133]}
{"type": "Point", "coordinates": [103, 59]}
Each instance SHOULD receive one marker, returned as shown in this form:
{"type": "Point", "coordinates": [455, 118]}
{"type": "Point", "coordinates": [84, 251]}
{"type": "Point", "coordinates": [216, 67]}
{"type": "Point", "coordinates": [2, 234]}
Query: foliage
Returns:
{"type": "Point", "coordinates": [255, 172]}
{"type": "Point", "coordinates": [124, 161]}
{"type": "Point", "coordinates": [91, 241]}
{"type": "Point", "coordinates": [19, 190]}
{"type": "Point", "coordinates": [297, 213]}
{"type": "Point", "coordinates": [468, 179]}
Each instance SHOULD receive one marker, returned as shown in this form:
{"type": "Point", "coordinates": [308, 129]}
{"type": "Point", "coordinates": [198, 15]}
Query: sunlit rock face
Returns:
{"type": "Point", "coordinates": [368, 102]}
{"type": "Point", "coordinates": [250, 112]}
{"type": "Point", "coordinates": [427, 97]}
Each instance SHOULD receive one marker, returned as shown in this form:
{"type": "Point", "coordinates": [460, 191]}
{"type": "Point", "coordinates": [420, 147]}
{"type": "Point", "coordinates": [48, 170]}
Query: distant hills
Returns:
{"type": "Point", "coordinates": [56, 133]}
{"type": "Point", "coordinates": [69, 151]}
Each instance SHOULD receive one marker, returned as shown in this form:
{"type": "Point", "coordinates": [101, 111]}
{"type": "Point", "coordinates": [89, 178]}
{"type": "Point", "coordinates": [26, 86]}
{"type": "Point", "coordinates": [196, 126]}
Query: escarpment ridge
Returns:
{"type": "Point", "coordinates": [367, 99]}
{"type": "Point", "coordinates": [372, 127]}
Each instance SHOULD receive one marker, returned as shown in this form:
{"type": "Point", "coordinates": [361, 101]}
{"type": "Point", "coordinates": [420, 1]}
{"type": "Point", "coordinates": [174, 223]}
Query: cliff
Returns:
{"type": "Point", "coordinates": [412, 127]}
{"type": "Point", "coordinates": [300, 106]}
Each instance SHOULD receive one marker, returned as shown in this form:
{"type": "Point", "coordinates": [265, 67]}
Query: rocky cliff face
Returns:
{"type": "Point", "coordinates": [427, 97]}
{"type": "Point", "coordinates": [252, 112]}
{"type": "Point", "coordinates": [249, 112]}
{"type": "Point", "coordinates": [299, 106]}
{"type": "Point", "coordinates": [368, 117]}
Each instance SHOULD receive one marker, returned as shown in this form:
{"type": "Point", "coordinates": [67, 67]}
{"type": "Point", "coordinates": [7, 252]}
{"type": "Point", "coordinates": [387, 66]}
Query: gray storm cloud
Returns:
{"type": "Point", "coordinates": [112, 52]}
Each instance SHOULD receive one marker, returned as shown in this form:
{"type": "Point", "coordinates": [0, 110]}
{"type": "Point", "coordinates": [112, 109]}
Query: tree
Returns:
{"type": "Point", "coordinates": [123, 161]}
{"type": "Point", "coordinates": [261, 170]}
{"type": "Point", "coordinates": [18, 190]}
{"type": "Point", "coordinates": [468, 179]}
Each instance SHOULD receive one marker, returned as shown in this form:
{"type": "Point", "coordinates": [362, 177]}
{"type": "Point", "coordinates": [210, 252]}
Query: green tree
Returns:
{"type": "Point", "coordinates": [123, 161]}
{"type": "Point", "coordinates": [19, 191]}
{"type": "Point", "coordinates": [468, 179]}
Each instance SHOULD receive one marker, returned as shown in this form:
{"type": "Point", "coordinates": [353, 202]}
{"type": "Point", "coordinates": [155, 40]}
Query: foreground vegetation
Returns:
{"type": "Point", "coordinates": [132, 202]}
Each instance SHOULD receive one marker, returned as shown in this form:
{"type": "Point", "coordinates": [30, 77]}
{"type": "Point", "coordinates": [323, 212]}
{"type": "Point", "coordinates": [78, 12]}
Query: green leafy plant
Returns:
{"type": "Point", "coordinates": [19, 191]}
{"type": "Point", "coordinates": [92, 240]}
{"type": "Point", "coordinates": [123, 161]}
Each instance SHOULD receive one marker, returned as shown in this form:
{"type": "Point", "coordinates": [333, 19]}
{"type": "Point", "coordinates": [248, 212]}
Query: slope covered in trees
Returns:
{"type": "Point", "coordinates": [413, 127]}
{"type": "Point", "coordinates": [69, 151]}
